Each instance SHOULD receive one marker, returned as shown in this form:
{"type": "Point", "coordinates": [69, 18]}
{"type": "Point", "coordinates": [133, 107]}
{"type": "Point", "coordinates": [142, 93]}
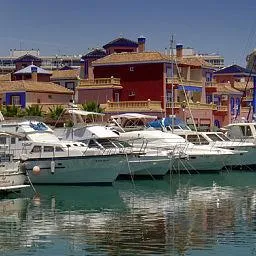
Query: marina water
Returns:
{"type": "Point", "coordinates": [210, 214]}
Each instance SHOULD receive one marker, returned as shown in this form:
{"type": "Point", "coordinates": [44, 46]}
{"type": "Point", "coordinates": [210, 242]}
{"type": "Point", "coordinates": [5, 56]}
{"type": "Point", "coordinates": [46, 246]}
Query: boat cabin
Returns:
{"type": "Point", "coordinates": [241, 131]}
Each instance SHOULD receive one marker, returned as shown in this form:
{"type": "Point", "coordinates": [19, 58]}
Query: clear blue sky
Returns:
{"type": "Point", "coordinates": [72, 26]}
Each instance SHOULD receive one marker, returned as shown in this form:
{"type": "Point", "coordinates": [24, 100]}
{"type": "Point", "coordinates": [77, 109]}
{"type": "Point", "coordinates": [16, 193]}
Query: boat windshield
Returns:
{"type": "Point", "coordinates": [223, 137]}
{"type": "Point", "coordinates": [121, 144]}
{"type": "Point", "coordinates": [197, 139]}
{"type": "Point", "coordinates": [214, 137]}
{"type": "Point", "coordinates": [106, 143]}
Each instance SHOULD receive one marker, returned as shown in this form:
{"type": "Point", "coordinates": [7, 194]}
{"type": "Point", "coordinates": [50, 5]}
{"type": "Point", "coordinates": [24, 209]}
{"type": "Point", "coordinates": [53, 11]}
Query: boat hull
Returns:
{"type": "Point", "coordinates": [89, 170]}
{"type": "Point", "coordinates": [147, 165]}
{"type": "Point", "coordinates": [11, 176]}
{"type": "Point", "coordinates": [199, 164]}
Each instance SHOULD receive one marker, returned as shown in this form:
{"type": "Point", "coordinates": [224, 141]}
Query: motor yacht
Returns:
{"type": "Point", "coordinates": [189, 157]}
{"type": "Point", "coordinates": [51, 161]}
{"type": "Point", "coordinates": [141, 160]}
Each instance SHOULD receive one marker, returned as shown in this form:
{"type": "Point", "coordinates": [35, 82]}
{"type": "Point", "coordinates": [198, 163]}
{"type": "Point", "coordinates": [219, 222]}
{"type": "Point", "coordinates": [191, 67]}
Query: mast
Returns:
{"type": "Point", "coordinates": [172, 75]}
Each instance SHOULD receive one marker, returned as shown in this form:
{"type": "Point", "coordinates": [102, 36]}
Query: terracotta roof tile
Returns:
{"type": "Point", "coordinates": [65, 74]}
{"type": "Point", "coordinates": [131, 57]}
{"type": "Point", "coordinates": [241, 85]}
{"type": "Point", "coordinates": [148, 57]}
{"type": "Point", "coordinates": [32, 86]}
{"type": "Point", "coordinates": [194, 61]}
{"type": "Point", "coordinates": [225, 88]}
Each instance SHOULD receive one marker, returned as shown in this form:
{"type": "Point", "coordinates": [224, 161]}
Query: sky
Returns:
{"type": "Point", "coordinates": [76, 26]}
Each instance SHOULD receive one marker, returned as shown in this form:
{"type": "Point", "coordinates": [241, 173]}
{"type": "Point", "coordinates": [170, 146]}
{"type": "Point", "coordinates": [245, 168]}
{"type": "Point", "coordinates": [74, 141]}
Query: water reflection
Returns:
{"type": "Point", "coordinates": [176, 216]}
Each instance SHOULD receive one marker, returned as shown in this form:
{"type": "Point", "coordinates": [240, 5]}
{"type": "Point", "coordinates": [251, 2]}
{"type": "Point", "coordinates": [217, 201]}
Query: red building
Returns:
{"type": "Point", "coordinates": [146, 81]}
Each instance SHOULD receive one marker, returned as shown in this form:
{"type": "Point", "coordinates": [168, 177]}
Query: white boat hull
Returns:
{"type": "Point", "coordinates": [89, 170]}
{"type": "Point", "coordinates": [11, 178]}
{"type": "Point", "coordinates": [147, 165]}
{"type": "Point", "coordinates": [199, 163]}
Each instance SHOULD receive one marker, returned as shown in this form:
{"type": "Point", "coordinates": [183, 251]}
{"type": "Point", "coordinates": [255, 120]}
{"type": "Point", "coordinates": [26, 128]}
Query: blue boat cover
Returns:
{"type": "Point", "coordinates": [166, 121]}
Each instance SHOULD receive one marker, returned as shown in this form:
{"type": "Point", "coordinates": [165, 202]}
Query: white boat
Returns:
{"type": "Point", "coordinates": [241, 131]}
{"type": "Point", "coordinates": [51, 161]}
{"type": "Point", "coordinates": [245, 151]}
{"type": "Point", "coordinates": [12, 176]}
{"type": "Point", "coordinates": [141, 160]}
{"type": "Point", "coordinates": [189, 157]}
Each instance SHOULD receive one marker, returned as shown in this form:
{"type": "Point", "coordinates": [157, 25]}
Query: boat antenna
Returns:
{"type": "Point", "coordinates": [172, 75]}
{"type": "Point", "coordinates": [244, 92]}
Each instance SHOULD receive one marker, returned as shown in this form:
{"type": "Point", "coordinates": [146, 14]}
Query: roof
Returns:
{"type": "Point", "coordinates": [225, 88]}
{"type": "Point", "coordinates": [133, 116]}
{"type": "Point", "coordinates": [6, 77]}
{"type": "Point", "coordinates": [241, 85]}
{"type": "Point", "coordinates": [29, 69]}
{"type": "Point", "coordinates": [121, 42]}
{"type": "Point", "coordinates": [95, 54]}
{"type": "Point", "coordinates": [194, 61]}
{"type": "Point", "coordinates": [27, 58]}
{"type": "Point", "coordinates": [65, 74]}
{"type": "Point", "coordinates": [235, 70]}
{"type": "Point", "coordinates": [147, 57]}
{"type": "Point", "coordinates": [32, 86]}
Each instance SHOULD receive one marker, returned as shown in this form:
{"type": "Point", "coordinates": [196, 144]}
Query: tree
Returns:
{"type": "Point", "coordinates": [34, 110]}
{"type": "Point", "coordinates": [12, 111]}
{"type": "Point", "coordinates": [92, 106]}
{"type": "Point", "coordinates": [56, 111]}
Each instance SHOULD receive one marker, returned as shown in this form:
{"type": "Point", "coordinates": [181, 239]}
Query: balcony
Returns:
{"type": "Point", "coordinates": [183, 81]}
{"type": "Point", "coordinates": [133, 106]}
{"type": "Point", "coordinates": [210, 87]}
{"type": "Point", "coordinates": [100, 82]}
{"type": "Point", "coordinates": [192, 105]}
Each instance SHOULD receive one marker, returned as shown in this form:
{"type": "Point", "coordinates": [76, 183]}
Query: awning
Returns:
{"type": "Point", "coordinates": [189, 88]}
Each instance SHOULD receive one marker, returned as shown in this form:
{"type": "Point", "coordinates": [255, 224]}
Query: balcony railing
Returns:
{"type": "Point", "coordinates": [124, 106]}
{"type": "Point", "coordinates": [192, 105]}
{"type": "Point", "coordinates": [100, 82]}
{"type": "Point", "coordinates": [183, 81]}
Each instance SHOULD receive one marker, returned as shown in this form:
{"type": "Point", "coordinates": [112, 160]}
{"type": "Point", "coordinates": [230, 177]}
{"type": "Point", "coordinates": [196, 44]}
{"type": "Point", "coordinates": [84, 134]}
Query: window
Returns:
{"type": "Point", "coordinates": [23, 139]}
{"type": "Point", "coordinates": [246, 130]}
{"type": "Point", "coordinates": [15, 100]}
{"type": "Point", "coordinates": [93, 144]}
{"type": "Point", "coordinates": [116, 97]}
{"type": "Point", "coordinates": [214, 137]}
{"type": "Point", "coordinates": [197, 139]}
{"type": "Point", "coordinates": [49, 96]}
{"type": "Point", "coordinates": [70, 85]}
{"type": "Point", "coordinates": [223, 137]}
{"type": "Point", "coordinates": [13, 140]}
{"type": "Point", "coordinates": [2, 140]}
{"type": "Point", "coordinates": [58, 149]}
{"type": "Point", "coordinates": [36, 149]}
{"type": "Point", "coordinates": [38, 101]}
{"type": "Point", "coordinates": [131, 68]}
{"type": "Point", "coordinates": [48, 149]}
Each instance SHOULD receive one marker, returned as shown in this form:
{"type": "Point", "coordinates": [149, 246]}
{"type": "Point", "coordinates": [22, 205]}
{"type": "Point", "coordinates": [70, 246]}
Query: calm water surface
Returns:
{"type": "Point", "coordinates": [183, 215]}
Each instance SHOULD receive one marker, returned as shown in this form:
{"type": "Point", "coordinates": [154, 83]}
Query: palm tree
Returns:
{"type": "Point", "coordinates": [12, 111]}
{"type": "Point", "coordinates": [34, 110]}
{"type": "Point", "coordinates": [56, 111]}
{"type": "Point", "coordinates": [92, 106]}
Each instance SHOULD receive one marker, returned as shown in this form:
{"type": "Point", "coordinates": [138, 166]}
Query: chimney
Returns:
{"type": "Point", "coordinates": [34, 73]}
{"type": "Point", "coordinates": [141, 43]}
{"type": "Point", "coordinates": [179, 50]}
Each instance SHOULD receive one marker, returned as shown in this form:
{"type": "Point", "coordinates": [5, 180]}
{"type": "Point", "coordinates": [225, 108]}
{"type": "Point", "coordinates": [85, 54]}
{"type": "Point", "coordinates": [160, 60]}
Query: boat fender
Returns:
{"type": "Point", "coordinates": [36, 170]}
{"type": "Point", "coordinates": [52, 167]}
